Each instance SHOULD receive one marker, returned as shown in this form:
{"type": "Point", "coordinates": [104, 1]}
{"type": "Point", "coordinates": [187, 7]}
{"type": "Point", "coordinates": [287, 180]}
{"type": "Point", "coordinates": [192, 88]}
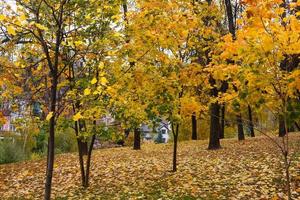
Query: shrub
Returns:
{"type": "Point", "coordinates": [10, 151]}
{"type": "Point", "coordinates": [65, 141]}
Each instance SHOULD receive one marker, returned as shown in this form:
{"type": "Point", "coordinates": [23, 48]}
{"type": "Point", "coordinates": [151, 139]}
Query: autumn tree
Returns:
{"type": "Point", "coordinates": [167, 58]}
{"type": "Point", "coordinates": [212, 29]}
{"type": "Point", "coordinates": [52, 36]}
{"type": "Point", "coordinates": [87, 78]}
{"type": "Point", "coordinates": [267, 38]}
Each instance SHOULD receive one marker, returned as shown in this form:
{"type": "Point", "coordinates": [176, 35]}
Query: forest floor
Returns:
{"type": "Point", "coordinates": [251, 169]}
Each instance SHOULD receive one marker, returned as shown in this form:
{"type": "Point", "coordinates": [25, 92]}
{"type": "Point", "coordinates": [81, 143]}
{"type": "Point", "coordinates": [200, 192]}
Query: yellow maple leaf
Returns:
{"type": "Point", "coordinates": [77, 116]}
{"type": "Point", "coordinates": [23, 17]}
{"type": "Point", "coordinates": [2, 17]}
{"type": "Point", "coordinates": [49, 116]}
{"type": "Point", "coordinates": [11, 30]}
{"type": "Point", "coordinates": [93, 81]}
{"type": "Point", "coordinates": [103, 81]}
{"type": "Point", "coordinates": [87, 91]}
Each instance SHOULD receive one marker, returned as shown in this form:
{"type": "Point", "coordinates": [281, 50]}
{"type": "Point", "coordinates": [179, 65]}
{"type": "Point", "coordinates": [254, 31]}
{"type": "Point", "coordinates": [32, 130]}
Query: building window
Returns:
{"type": "Point", "coordinates": [163, 131]}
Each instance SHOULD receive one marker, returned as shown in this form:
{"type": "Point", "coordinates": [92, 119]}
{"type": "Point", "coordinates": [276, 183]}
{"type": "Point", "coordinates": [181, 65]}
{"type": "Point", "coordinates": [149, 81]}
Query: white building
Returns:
{"type": "Point", "coordinates": [152, 134]}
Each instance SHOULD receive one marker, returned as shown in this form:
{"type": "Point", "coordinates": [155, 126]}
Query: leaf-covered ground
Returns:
{"type": "Point", "coordinates": [240, 170]}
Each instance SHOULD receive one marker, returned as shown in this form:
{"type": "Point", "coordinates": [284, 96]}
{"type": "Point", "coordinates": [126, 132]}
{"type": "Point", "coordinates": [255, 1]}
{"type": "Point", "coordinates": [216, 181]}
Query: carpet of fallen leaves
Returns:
{"type": "Point", "coordinates": [240, 170]}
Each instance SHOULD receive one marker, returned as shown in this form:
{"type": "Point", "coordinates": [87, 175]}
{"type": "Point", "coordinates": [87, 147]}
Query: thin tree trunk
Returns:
{"type": "Point", "coordinates": [222, 128]}
{"type": "Point", "coordinates": [175, 135]}
{"type": "Point", "coordinates": [232, 29]}
{"type": "Point", "coordinates": [251, 126]}
{"type": "Point", "coordinates": [231, 25]}
{"type": "Point", "coordinates": [77, 128]}
{"type": "Point", "coordinates": [214, 142]}
{"type": "Point", "coordinates": [194, 127]}
{"type": "Point", "coordinates": [50, 154]}
{"type": "Point", "coordinates": [239, 120]}
{"type": "Point", "coordinates": [282, 129]}
{"type": "Point", "coordinates": [137, 139]}
{"type": "Point", "coordinates": [83, 144]}
{"type": "Point", "coordinates": [53, 94]}
{"type": "Point", "coordinates": [88, 161]}
{"type": "Point", "coordinates": [287, 175]}
{"type": "Point", "coordinates": [80, 155]}
{"type": "Point", "coordinates": [84, 147]}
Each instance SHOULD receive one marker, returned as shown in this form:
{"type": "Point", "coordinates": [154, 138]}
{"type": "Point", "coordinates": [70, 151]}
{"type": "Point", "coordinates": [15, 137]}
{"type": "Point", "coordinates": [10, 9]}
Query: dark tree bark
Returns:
{"type": "Point", "coordinates": [282, 128]}
{"type": "Point", "coordinates": [83, 144]}
{"type": "Point", "coordinates": [224, 88]}
{"type": "Point", "coordinates": [214, 142]}
{"type": "Point", "coordinates": [232, 29]}
{"type": "Point", "coordinates": [84, 147]}
{"type": "Point", "coordinates": [214, 137]}
{"type": "Point", "coordinates": [137, 139]}
{"type": "Point", "coordinates": [194, 127]}
{"type": "Point", "coordinates": [175, 136]}
{"type": "Point", "coordinates": [80, 154]}
{"type": "Point", "coordinates": [88, 161]}
{"type": "Point", "coordinates": [79, 126]}
{"type": "Point", "coordinates": [50, 154]}
{"type": "Point", "coordinates": [251, 125]}
{"type": "Point", "coordinates": [53, 64]}
{"type": "Point", "coordinates": [85, 172]}
{"type": "Point", "coordinates": [229, 13]}
{"type": "Point", "coordinates": [222, 126]}
{"type": "Point", "coordinates": [239, 120]}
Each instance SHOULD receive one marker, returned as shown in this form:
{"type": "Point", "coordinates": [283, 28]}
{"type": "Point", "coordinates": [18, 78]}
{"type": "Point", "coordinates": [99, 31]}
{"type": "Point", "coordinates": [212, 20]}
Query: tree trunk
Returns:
{"type": "Point", "coordinates": [175, 135]}
{"type": "Point", "coordinates": [214, 142]}
{"type": "Point", "coordinates": [222, 128]}
{"type": "Point", "coordinates": [88, 161]}
{"type": "Point", "coordinates": [80, 154]}
{"type": "Point", "coordinates": [137, 139]}
{"type": "Point", "coordinates": [282, 128]}
{"type": "Point", "coordinates": [194, 127]}
{"type": "Point", "coordinates": [83, 144]}
{"type": "Point", "coordinates": [84, 147]}
{"type": "Point", "coordinates": [231, 25]}
{"type": "Point", "coordinates": [239, 120]}
{"type": "Point", "coordinates": [251, 126]}
{"type": "Point", "coordinates": [85, 172]}
{"type": "Point", "coordinates": [50, 154]}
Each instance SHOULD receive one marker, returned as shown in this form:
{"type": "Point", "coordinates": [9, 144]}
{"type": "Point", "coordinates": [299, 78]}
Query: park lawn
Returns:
{"type": "Point", "coordinates": [240, 170]}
